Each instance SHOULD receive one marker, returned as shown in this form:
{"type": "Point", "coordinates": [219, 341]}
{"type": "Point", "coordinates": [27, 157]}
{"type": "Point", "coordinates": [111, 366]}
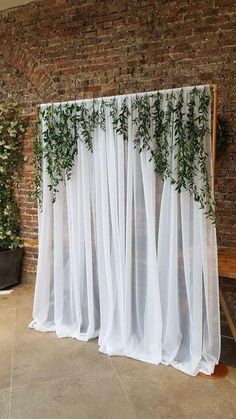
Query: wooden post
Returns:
{"type": "Point", "coordinates": [220, 370]}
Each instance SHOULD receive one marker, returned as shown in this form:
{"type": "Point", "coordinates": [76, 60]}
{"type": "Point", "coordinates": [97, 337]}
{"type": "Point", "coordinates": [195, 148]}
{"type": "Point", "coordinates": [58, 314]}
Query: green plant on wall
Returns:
{"type": "Point", "coordinates": [12, 128]}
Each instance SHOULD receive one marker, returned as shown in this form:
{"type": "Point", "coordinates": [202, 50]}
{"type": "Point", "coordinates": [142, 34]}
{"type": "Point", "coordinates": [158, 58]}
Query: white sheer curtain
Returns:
{"type": "Point", "coordinates": [126, 258]}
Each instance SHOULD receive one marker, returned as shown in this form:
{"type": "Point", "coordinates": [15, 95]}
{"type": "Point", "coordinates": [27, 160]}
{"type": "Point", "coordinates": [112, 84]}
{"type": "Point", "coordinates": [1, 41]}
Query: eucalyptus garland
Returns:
{"type": "Point", "coordinates": [120, 119]}
{"type": "Point", "coordinates": [170, 129]}
{"type": "Point", "coordinates": [162, 128]}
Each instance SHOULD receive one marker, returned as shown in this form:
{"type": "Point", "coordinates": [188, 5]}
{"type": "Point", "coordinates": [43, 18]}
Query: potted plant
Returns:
{"type": "Point", "coordinates": [12, 128]}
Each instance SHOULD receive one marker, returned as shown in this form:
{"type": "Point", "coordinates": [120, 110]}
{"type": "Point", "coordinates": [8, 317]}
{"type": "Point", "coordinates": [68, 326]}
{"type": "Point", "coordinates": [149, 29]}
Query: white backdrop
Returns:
{"type": "Point", "coordinates": [125, 257]}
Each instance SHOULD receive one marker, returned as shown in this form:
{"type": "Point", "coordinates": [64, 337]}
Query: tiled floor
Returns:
{"type": "Point", "coordinates": [49, 378]}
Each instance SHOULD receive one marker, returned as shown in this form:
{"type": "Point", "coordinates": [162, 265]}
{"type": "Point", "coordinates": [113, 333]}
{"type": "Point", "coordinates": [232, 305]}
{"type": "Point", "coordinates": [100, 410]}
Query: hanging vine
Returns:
{"type": "Point", "coordinates": [120, 119]}
{"type": "Point", "coordinates": [142, 121]}
{"type": "Point", "coordinates": [162, 126]}
{"type": "Point", "coordinates": [204, 195]}
{"type": "Point", "coordinates": [170, 128]}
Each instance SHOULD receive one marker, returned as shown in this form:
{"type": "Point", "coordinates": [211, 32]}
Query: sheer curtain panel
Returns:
{"type": "Point", "coordinates": [123, 254]}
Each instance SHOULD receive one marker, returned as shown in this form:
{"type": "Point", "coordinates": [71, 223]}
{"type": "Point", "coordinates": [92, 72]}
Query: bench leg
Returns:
{"type": "Point", "coordinates": [227, 315]}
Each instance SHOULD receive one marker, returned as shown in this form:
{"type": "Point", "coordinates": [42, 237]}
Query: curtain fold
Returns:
{"type": "Point", "coordinates": [125, 257]}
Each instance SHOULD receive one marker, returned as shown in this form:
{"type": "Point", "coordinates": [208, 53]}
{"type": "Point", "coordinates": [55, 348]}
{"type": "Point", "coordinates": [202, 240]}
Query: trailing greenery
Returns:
{"type": "Point", "coordinates": [142, 139]}
{"type": "Point", "coordinates": [167, 126]}
{"type": "Point", "coordinates": [163, 127]}
{"type": "Point", "coordinates": [120, 119]}
{"type": "Point", "coordinates": [12, 128]}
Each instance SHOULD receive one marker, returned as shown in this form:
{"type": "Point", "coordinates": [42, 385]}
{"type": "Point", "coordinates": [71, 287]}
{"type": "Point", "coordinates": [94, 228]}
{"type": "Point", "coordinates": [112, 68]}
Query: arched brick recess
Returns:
{"type": "Point", "coordinates": [27, 64]}
{"type": "Point", "coordinates": [28, 75]}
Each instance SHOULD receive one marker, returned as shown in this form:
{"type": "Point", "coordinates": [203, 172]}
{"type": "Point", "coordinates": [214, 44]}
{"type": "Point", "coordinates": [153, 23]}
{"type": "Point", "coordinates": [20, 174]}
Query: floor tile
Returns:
{"type": "Point", "coordinates": [8, 300]}
{"type": "Point", "coordinates": [82, 397]}
{"type": "Point", "coordinates": [37, 354]}
{"type": "Point", "coordinates": [25, 295]}
{"type": "Point", "coordinates": [22, 320]}
{"type": "Point", "coordinates": [44, 356]}
{"type": "Point", "coordinates": [6, 346]}
{"type": "Point", "coordinates": [4, 404]}
{"type": "Point", "coordinates": [163, 392]}
{"type": "Point", "coordinates": [232, 377]}
{"type": "Point", "coordinates": [7, 320]}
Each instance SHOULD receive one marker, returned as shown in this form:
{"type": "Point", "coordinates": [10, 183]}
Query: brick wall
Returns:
{"type": "Point", "coordinates": [67, 49]}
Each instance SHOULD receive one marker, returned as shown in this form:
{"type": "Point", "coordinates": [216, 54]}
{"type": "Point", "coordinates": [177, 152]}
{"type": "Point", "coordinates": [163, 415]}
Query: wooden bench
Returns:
{"type": "Point", "coordinates": [227, 269]}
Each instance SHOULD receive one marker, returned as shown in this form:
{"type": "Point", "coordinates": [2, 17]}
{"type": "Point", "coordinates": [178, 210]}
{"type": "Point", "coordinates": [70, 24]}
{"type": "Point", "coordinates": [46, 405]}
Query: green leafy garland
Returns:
{"type": "Point", "coordinates": [158, 119]}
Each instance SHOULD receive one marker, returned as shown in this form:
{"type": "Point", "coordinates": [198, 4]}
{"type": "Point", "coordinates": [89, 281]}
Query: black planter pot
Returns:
{"type": "Point", "coordinates": [10, 267]}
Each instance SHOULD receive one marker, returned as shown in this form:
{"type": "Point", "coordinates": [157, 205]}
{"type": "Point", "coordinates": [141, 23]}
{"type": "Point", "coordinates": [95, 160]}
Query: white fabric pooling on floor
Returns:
{"type": "Point", "coordinates": [125, 257]}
